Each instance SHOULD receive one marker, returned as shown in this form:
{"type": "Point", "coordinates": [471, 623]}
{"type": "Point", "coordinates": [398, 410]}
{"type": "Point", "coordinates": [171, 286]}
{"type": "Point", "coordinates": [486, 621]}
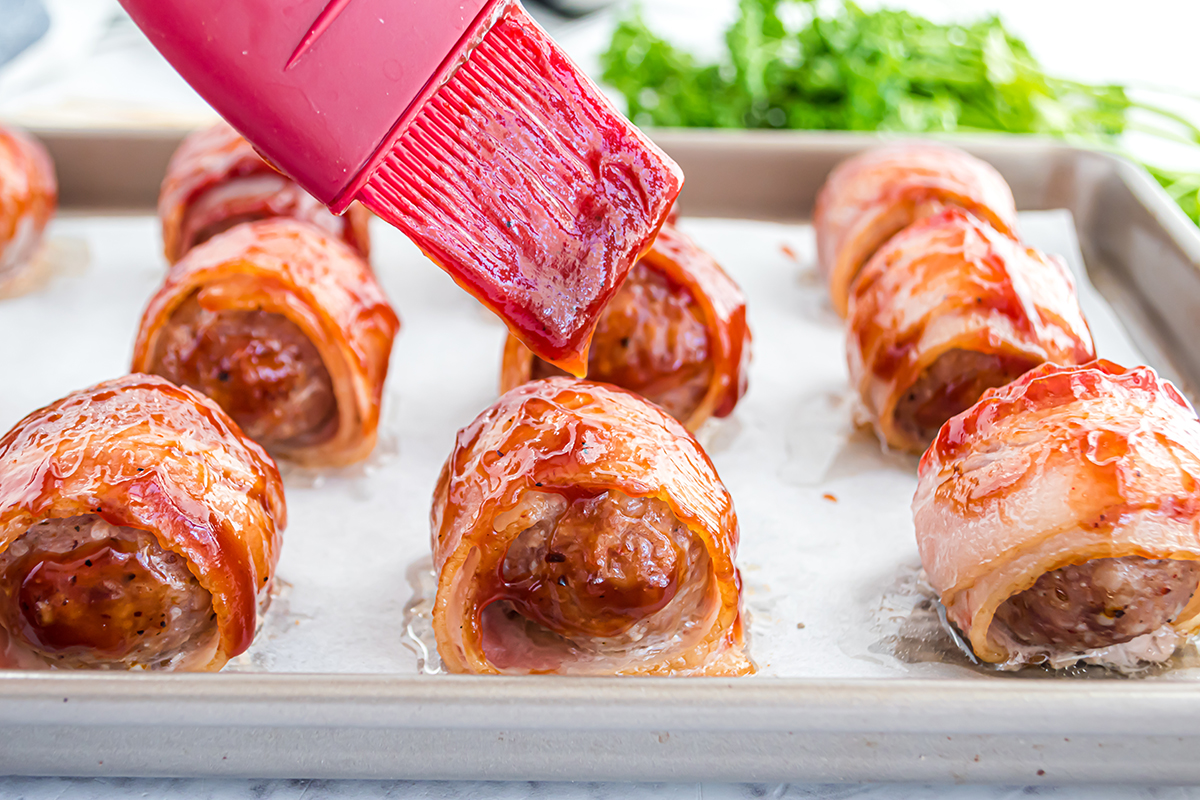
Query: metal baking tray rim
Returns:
{"type": "Point", "coordinates": [465, 702]}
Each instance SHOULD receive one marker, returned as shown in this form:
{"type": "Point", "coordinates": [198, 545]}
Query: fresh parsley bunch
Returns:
{"type": "Point", "coordinates": [789, 65]}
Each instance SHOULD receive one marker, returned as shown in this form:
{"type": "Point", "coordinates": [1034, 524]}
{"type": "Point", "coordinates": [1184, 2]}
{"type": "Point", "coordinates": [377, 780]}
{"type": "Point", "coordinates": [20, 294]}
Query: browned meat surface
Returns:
{"type": "Point", "coordinates": [80, 592]}
{"type": "Point", "coordinates": [598, 565]}
{"type": "Point", "coordinates": [1099, 603]}
{"type": "Point", "coordinates": [951, 385]}
{"type": "Point", "coordinates": [652, 340]}
{"type": "Point", "coordinates": [258, 366]}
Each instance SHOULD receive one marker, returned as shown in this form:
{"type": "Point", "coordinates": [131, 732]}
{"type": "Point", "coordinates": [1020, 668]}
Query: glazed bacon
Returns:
{"type": "Point", "coordinates": [577, 529]}
{"type": "Point", "coordinates": [28, 199]}
{"type": "Point", "coordinates": [139, 528]}
{"type": "Point", "coordinates": [216, 180]}
{"type": "Point", "coordinates": [287, 329]}
{"type": "Point", "coordinates": [948, 308]}
{"type": "Point", "coordinates": [1059, 518]}
{"type": "Point", "coordinates": [675, 333]}
{"type": "Point", "coordinates": [873, 196]}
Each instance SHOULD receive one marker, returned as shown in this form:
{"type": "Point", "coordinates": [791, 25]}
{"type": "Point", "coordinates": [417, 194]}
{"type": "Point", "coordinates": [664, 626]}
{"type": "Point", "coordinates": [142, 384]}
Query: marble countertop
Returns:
{"type": "Point", "coordinates": [104, 789]}
{"type": "Point", "coordinates": [101, 73]}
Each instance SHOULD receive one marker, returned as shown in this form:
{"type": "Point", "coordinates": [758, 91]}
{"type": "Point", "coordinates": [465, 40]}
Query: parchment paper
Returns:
{"type": "Point", "coordinates": [827, 549]}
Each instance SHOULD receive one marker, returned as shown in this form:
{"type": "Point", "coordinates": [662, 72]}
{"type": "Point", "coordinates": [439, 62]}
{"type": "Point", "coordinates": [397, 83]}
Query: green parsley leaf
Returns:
{"type": "Point", "coordinates": [788, 65]}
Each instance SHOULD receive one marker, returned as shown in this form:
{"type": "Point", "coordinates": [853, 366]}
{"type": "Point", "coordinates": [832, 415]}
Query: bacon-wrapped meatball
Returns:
{"type": "Point", "coordinates": [577, 529]}
{"type": "Point", "coordinates": [216, 180]}
{"type": "Point", "coordinates": [948, 308]}
{"type": "Point", "coordinates": [28, 199]}
{"type": "Point", "coordinates": [287, 329]}
{"type": "Point", "coordinates": [675, 333]}
{"type": "Point", "coordinates": [873, 196]}
{"type": "Point", "coordinates": [1059, 518]}
{"type": "Point", "coordinates": [139, 528]}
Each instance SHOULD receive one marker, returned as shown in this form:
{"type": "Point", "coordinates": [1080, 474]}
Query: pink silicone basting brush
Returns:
{"type": "Point", "coordinates": [458, 121]}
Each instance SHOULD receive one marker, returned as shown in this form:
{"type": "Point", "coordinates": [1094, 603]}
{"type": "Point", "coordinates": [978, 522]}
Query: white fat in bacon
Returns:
{"type": "Point", "coordinates": [1059, 518]}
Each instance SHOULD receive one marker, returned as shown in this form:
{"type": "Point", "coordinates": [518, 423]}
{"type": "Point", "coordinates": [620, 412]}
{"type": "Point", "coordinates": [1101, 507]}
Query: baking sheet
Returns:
{"type": "Point", "coordinates": [827, 549]}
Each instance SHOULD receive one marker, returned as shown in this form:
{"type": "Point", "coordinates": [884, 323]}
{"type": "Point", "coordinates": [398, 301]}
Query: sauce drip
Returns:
{"type": "Point", "coordinates": [652, 340]}
{"type": "Point", "coordinates": [100, 596]}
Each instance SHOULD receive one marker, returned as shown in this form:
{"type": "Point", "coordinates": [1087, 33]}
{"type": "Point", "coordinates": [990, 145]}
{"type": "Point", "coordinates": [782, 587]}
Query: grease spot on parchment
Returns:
{"type": "Point", "coordinates": [418, 616]}
{"type": "Point", "coordinates": [912, 628]}
{"type": "Point", "coordinates": [719, 435]}
{"type": "Point", "coordinates": [59, 256]}
{"type": "Point", "coordinates": [911, 625]}
{"type": "Point", "coordinates": [276, 622]}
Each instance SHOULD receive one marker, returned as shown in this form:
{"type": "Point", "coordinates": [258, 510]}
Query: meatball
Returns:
{"type": "Point", "coordinates": [80, 592]}
{"type": "Point", "coordinates": [950, 385]}
{"type": "Point", "coordinates": [258, 366]}
{"type": "Point", "coordinates": [597, 566]}
{"type": "Point", "coordinates": [1099, 603]}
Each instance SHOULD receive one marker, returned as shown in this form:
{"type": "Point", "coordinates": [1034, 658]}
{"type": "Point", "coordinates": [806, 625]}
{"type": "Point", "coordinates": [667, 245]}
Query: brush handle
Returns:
{"type": "Point", "coordinates": [315, 85]}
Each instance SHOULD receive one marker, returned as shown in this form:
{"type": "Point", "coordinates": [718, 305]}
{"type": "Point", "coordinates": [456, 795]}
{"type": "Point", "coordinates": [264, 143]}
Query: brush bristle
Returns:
{"type": "Point", "coordinates": [520, 180]}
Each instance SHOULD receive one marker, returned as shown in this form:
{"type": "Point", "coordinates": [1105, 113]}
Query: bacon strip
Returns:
{"type": "Point", "coordinates": [871, 197]}
{"type": "Point", "coordinates": [948, 308]}
{"type": "Point", "coordinates": [1064, 469]}
{"type": "Point", "coordinates": [28, 200]}
{"type": "Point", "coordinates": [578, 529]}
{"type": "Point", "coordinates": [216, 180]}
{"type": "Point", "coordinates": [675, 333]}
{"type": "Point", "coordinates": [287, 329]}
{"type": "Point", "coordinates": [141, 453]}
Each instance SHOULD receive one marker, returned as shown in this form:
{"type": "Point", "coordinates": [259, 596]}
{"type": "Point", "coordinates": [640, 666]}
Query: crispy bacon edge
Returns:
{"type": "Point", "coordinates": [565, 433]}
{"type": "Point", "coordinates": [318, 283]}
{"type": "Point", "coordinates": [212, 156]}
{"type": "Point", "coordinates": [1108, 467]}
{"type": "Point", "coordinates": [872, 196]}
{"type": "Point", "coordinates": [144, 453]}
{"type": "Point", "coordinates": [677, 256]}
